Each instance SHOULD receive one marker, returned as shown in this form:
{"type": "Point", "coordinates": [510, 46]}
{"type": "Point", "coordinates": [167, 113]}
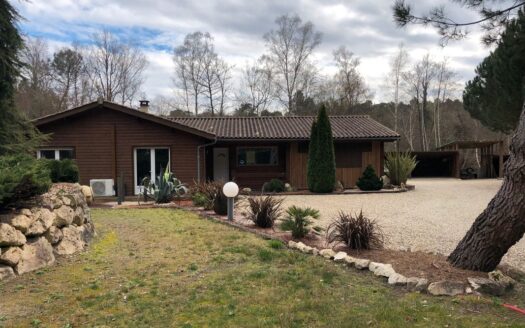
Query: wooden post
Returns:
{"type": "Point", "coordinates": [120, 189]}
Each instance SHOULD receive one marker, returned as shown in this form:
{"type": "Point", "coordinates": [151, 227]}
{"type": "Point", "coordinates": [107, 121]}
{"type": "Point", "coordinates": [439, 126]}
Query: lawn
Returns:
{"type": "Point", "coordinates": [162, 268]}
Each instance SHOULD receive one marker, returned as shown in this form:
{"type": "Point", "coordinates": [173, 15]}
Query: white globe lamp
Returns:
{"type": "Point", "coordinates": [230, 190]}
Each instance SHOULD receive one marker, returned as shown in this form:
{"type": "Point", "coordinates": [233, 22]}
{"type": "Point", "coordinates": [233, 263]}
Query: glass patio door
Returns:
{"type": "Point", "coordinates": [149, 162]}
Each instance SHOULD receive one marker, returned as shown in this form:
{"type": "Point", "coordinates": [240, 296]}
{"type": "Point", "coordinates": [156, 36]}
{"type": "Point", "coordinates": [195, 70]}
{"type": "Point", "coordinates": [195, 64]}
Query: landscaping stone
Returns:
{"type": "Point", "coordinates": [9, 236]}
{"type": "Point", "coordinates": [340, 256]}
{"type": "Point", "coordinates": [381, 269]}
{"type": "Point", "coordinates": [446, 288]}
{"type": "Point", "coordinates": [54, 235]}
{"type": "Point", "coordinates": [361, 264]}
{"type": "Point", "coordinates": [487, 286]}
{"type": "Point", "coordinates": [397, 279]}
{"type": "Point", "coordinates": [350, 260]}
{"type": "Point", "coordinates": [292, 244]}
{"type": "Point", "coordinates": [10, 256]}
{"type": "Point", "coordinates": [315, 251]}
{"type": "Point", "coordinates": [78, 219]}
{"type": "Point", "coordinates": [19, 221]}
{"type": "Point", "coordinates": [327, 253]}
{"type": "Point", "coordinates": [88, 194]}
{"type": "Point", "coordinates": [417, 284]}
{"type": "Point", "coordinates": [64, 216]}
{"type": "Point", "coordinates": [6, 272]}
{"type": "Point", "coordinates": [36, 254]}
{"type": "Point", "coordinates": [499, 276]}
{"type": "Point", "coordinates": [51, 202]}
{"type": "Point", "coordinates": [72, 241]}
{"type": "Point", "coordinates": [43, 220]}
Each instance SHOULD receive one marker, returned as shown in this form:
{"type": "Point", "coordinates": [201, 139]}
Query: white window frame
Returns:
{"type": "Point", "coordinates": [56, 150]}
{"type": "Point", "coordinates": [153, 173]}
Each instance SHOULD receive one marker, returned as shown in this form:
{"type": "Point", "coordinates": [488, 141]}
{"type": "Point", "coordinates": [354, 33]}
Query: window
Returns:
{"type": "Point", "coordinates": [250, 156]}
{"type": "Point", "coordinates": [149, 163]}
{"type": "Point", "coordinates": [58, 154]}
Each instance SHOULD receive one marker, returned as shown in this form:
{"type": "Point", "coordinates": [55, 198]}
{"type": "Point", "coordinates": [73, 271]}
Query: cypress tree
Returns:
{"type": "Point", "coordinates": [311, 175]}
{"type": "Point", "coordinates": [17, 134]}
{"type": "Point", "coordinates": [321, 161]}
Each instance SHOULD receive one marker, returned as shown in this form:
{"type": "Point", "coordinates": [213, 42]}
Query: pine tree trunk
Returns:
{"type": "Point", "coordinates": [502, 224]}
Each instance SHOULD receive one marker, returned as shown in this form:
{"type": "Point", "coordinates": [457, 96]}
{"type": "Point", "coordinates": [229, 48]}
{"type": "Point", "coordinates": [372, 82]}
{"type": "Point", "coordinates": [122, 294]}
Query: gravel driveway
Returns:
{"type": "Point", "coordinates": [433, 218]}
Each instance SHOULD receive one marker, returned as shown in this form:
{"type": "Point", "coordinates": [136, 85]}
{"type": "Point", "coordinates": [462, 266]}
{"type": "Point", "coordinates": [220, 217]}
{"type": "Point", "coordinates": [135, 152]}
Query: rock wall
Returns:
{"type": "Point", "coordinates": [58, 224]}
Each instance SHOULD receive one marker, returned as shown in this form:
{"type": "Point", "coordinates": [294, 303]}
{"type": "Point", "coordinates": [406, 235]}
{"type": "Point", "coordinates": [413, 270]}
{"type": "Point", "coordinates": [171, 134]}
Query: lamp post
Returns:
{"type": "Point", "coordinates": [230, 190]}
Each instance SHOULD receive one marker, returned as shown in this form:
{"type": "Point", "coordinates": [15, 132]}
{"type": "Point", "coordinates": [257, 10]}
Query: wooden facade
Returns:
{"type": "Point", "coordinates": [104, 138]}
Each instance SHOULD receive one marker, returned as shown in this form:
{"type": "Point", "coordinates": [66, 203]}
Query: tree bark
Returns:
{"type": "Point", "coordinates": [502, 224]}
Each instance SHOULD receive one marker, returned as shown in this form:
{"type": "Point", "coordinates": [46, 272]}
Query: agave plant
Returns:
{"type": "Point", "coordinates": [166, 187]}
{"type": "Point", "coordinates": [298, 220]}
{"type": "Point", "coordinates": [399, 166]}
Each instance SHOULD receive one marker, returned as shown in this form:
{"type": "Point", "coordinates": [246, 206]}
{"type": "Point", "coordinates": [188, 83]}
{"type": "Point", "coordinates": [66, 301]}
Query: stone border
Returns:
{"type": "Point", "coordinates": [497, 284]}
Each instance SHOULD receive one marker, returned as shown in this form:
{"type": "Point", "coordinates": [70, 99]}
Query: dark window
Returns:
{"type": "Point", "coordinates": [65, 154]}
{"type": "Point", "coordinates": [247, 156]}
{"type": "Point", "coordinates": [350, 155]}
{"type": "Point", "coordinates": [48, 153]}
{"type": "Point", "coordinates": [162, 158]}
{"type": "Point", "coordinates": [143, 165]}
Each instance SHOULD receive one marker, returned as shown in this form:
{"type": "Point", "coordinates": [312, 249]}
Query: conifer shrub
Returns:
{"type": "Point", "coordinates": [65, 170]}
{"type": "Point", "coordinates": [369, 180]}
{"type": "Point", "coordinates": [274, 185]}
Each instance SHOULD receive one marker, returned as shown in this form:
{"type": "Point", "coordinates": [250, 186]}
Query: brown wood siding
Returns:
{"type": "Point", "coordinates": [99, 136]}
{"type": "Point", "coordinates": [348, 176]}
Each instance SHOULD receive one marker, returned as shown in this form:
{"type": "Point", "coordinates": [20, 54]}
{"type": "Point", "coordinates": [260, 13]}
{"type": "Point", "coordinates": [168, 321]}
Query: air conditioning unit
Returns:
{"type": "Point", "coordinates": [102, 187]}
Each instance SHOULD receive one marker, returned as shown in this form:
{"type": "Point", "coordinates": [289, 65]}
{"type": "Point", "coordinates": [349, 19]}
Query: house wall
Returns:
{"type": "Point", "coordinates": [103, 141]}
{"type": "Point", "coordinates": [371, 153]}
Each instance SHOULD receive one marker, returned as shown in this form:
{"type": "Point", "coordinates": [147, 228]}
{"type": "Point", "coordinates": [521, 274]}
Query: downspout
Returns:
{"type": "Point", "coordinates": [199, 157]}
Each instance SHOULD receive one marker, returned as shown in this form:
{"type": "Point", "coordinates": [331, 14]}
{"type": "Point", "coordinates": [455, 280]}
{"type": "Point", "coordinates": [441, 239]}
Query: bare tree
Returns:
{"type": "Point", "coordinates": [115, 68]}
{"type": "Point", "coordinates": [69, 73]}
{"type": "Point", "coordinates": [257, 87]}
{"type": "Point", "coordinates": [444, 81]}
{"type": "Point", "coordinates": [397, 67]}
{"type": "Point", "coordinates": [289, 47]}
{"type": "Point", "coordinates": [350, 84]}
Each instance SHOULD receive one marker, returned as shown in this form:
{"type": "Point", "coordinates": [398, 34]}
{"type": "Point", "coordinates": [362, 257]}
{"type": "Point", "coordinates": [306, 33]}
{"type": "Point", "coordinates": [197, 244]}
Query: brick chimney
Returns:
{"type": "Point", "coordinates": [144, 105]}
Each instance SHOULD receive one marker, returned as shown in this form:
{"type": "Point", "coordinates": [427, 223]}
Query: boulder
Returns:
{"type": "Point", "coordinates": [78, 218]}
{"type": "Point", "coordinates": [315, 251]}
{"type": "Point", "coordinates": [499, 276]}
{"type": "Point", "coordinates": [340, 256]}
{"type": "Point", "coordinates": [50, 201]}
{"type": "Point", "coordinates": [43, 220]}
{"type": "Point", "coordinates": [63, 216]}
{"type": "Point", "coordinates": [488, 286]}
{"type": "Point", "coordinates": [9, 236]}
{"type": "Point", "coordinates": [361, 264]}
{"type": "Point", "coordinates": [20, 221]}
{"type": "Point", "coordinates": [6, 272]}
{"type": "Point", "coordinates": [417, 284]}
{"type": "Point", "coordinates": [446, 288]}
{"type": "Point", "coordinates": [53, 235]}
{"type": "Point", "coordinates": [350, 260]}
{"type": "Point", "coordinates": [327, 253]}
{"type": "Point", "coordinates": [11, 256]}
{"type": "Point", "coordinates": [397, 279]}
{"type": "Point", "coordinates": [72, 241]}
{"type": "Point", "coordinates": [69, 200]}
{"type": "Point", "coordinates": [292, 244]}
{"type": "Point", "coordinates": [381, 269]}
{"type": "Point", "coordinates": [36, 254]}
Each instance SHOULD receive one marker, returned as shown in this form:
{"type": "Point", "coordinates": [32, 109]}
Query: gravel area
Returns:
{"type": "Point", "coordinates": [432, 218]}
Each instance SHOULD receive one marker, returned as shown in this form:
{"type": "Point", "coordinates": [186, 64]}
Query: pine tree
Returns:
{"type": "Point", "coordinates": [321, 157]}
{"type": "Point", "coordinates": [311, 175]}
{"type": "Point", "coordinates": [17, 134]}
{"type": "Point", "coordinates": [496, 94]}
{"type": "Point", "coordinates": [369, 180]}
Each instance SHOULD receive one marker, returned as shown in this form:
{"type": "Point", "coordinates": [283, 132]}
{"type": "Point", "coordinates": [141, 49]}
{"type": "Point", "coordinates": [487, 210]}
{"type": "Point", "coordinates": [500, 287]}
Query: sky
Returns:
{"type": "Point", "coordinates": [365, 27]}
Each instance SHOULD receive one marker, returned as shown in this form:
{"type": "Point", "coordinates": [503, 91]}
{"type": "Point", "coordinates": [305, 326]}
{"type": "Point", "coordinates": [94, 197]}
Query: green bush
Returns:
{"type": "Point", "coordinates": [274, 185]}
{"type": "Point", "coordinates": [355, 231]}
{"type": "Point", "coordinates": [321, 155]}
{"type": "Point", "coordinates": [399, 166]}
{"type": "Point", "coordinates": [21, 178]}
{"type": "Point", "coordinates": [204, 193]}
{"type": "Point", "coordinates": [369, 180]}
{"type": "Point", "coordinates": [263, 211]}
{"type": "Point", "coordinates": [65, 170]}
{"type": "Point", "coordinates": [298, 220]}
{"type": "Point", "coordinates": [199, 199]}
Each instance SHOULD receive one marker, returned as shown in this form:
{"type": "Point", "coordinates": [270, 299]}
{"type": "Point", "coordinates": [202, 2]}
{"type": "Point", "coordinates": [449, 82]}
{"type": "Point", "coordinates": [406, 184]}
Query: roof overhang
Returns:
{"type": "Point", "coordinates": [123, 109]}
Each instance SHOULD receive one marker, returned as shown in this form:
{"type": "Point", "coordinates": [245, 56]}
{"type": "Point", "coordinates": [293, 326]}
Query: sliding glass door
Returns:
{"type": "Point", "coordinates": [149, 162]}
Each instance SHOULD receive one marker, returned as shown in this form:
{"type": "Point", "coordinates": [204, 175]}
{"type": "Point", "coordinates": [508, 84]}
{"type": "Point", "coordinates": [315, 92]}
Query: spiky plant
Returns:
{"type": "Point", "coordinates": [355, 231]}
{"type": "Point", "coordinates": [264, 211]}
{"type": "Point", "coordinates": [298, 220]}
{"type": "Point", "coordinates": [399, 166]}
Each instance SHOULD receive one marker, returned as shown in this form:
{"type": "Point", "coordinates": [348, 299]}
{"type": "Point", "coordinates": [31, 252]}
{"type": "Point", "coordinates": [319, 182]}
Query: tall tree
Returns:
{"type": "Point", "coordinates": [444, 80]}
{"type": "Point", "coordinates": [397, 68]}
{"type": "Point", "coordinates": [289, 47]}
{"type": "Point", "coordinates": [115, 68]}
{"type": "Point", "coordinates": [17, 134]}
{"type": "Point", "coordinates": [257, 85]}
{"type": "Point", "coordinates": [321, 160]}
{"type": "Point", "coordinates": [501, 224]}
{"type": "Point", "coordinates": [350, 84]}
{"type": "Point", "coordinates": [69, 78]}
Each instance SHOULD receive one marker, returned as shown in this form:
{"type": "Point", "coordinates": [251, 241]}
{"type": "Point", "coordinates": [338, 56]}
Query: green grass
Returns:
{"type": "Point", "coordinates": [168, 268]}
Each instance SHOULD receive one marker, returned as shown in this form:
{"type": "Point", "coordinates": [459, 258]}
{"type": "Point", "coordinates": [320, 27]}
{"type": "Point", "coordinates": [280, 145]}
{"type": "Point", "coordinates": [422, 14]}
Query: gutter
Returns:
{"type": "Point", "coordinates": [199, 157]}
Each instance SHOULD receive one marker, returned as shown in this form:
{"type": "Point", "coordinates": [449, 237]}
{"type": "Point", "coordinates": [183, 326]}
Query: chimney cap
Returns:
{"type": "Point", "coordinates": [144, 102]}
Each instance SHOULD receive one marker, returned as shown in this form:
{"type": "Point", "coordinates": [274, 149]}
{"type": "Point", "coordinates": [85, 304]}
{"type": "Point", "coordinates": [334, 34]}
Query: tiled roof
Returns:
{"type": "Point", "coordinates": [348, 127]}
